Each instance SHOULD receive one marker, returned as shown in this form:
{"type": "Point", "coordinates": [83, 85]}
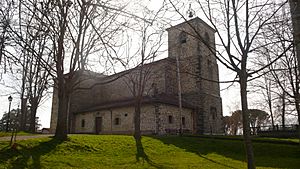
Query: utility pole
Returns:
{"type": "Point", "coordinates": [179, 94]}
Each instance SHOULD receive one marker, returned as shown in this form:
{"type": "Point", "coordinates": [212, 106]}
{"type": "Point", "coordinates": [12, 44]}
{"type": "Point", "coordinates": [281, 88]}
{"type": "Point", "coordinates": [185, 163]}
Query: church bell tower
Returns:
{"type": "Point", "coordinates": [192, 43]}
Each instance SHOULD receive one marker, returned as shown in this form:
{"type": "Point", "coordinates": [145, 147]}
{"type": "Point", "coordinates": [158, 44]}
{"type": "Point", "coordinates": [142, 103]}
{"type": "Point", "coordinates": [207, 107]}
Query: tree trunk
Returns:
{"type": "Point", "coordinates": [23, 114]}
{"type": "Point", "coordinates": [137, 120]}
{"type": "Point", "coordinates": [297, 102]}
{"type": "Point", "coordinates": [63, 90]}
{"type": "Point", "coordinates": [23, 97]}
{"type": "Point", "coordinates": [235, 131]}
{"type": "Point", "coordinates": [269, 95]}
{"type": "Point", "coordinates": [283, 110]}
{"type": "Point", "coordinates": [33, 118]}
{"type": "Point", "coordinates": [271, 113]}
{"type": "Point", "coordinates": [245, 115]}
{"type": "Point", "coordinates": [63, 110]}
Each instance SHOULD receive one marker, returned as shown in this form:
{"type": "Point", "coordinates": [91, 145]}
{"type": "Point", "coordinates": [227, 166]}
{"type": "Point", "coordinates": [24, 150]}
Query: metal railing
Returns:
{"type": "Point", "coordinates": [276, 130]}
{"type": "Point", "coordinates": [291, 127]}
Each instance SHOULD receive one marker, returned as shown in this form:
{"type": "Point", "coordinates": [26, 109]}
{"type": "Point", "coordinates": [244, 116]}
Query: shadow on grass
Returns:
{"type": "Point", "coordinates": [27, 157]}
{"type": "Point", "coordinates": [141, 155]}
{"type": "Point", "coordinates": [266, 155]}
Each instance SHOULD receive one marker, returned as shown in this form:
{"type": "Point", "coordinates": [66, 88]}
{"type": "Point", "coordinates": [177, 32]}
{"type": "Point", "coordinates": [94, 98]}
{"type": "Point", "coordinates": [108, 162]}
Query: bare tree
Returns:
{"type": "Point", "coordinates": [241, 21]}
{"type": "Point", "coordinates": [77, 20]}
{"type": "Point", "coordinates": [266, 86]}
{"type": "Point", "coordinates": [141, 80]}
{"type": "Point", "coordinates": [31, 57]}
{"type": "Point", "coordinates": [6, 16]}
{"type": "Point", "coordinates": [56, 39]}
{"type": "Point", "coordinates": [284, 72]}
{"type": "Point", "coordinates": [75, 33]}
{"type": "Point", "coordinates": [36, 75]}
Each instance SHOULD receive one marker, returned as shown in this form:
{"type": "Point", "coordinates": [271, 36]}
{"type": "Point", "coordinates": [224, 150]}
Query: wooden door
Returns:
{"type": "Point", "coordinates": [98, 124]}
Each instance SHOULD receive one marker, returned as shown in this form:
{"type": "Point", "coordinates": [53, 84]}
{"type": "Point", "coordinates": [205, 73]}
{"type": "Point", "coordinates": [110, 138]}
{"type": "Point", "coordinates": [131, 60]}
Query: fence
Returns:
{"type": "Point", "coordinates": [276, 130]}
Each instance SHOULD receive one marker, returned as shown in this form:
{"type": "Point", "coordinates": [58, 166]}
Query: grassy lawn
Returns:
{"type": "Point", "coordinates": [255, 138]}
{"type": "Point", "coordinates": [5, 134]}
{"type": "Point", "coordinates": [116, 151]}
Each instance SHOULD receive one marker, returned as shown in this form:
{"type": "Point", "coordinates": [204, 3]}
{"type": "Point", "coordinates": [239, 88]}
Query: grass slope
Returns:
{"type": "Point", "coordinates": [6, 134]}
{"type": "Point", "coordinates": [106, 151]}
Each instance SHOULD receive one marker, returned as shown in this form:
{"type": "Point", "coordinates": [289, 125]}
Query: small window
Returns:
{"type": "Point", "coordinates": [82, 123]}
{"type": "Point", "coordinates": [182, 37]}
{"type": "Point", "coordinates": [170, 119]}
{"type": "Point", "coordinates": [126, 114]}
{"type": "Point", "coordinates": [183, 121]}
{"type": "Point", "coordinates": [117, 121]}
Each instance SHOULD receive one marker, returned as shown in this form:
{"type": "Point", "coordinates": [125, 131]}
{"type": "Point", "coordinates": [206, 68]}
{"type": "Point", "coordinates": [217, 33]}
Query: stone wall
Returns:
{"type": "Point", "coordinates": [199, 72]}
{"type": "Point", "coordinates": [152, 121]}
{"type": "Point", "coordinates": [166, 111]}
{"type": "Point", "coordinates": [199, 84]}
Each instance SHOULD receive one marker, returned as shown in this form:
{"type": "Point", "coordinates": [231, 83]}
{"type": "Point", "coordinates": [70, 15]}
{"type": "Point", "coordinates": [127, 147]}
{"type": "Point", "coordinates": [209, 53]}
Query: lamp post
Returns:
{"type": "Point", "coordinates": [8, 115]}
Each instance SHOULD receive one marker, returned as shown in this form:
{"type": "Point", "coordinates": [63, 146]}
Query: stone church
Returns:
{"type": "Point", "coordinates": [104, 104]}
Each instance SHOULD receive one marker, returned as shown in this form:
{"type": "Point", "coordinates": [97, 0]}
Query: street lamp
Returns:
{"type": "Point", "coordinates": [8, 115]}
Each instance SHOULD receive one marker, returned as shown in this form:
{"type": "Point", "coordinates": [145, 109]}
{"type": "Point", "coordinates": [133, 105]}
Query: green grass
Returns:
{"type": "Point", "coordinates": [116, 151]}
{"type": "Point", "coordinates": [254, 138]}
{"type": "Point", "coordinates": [293, 140]}
{"type": "Point", "coordinates": [21, 133]}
